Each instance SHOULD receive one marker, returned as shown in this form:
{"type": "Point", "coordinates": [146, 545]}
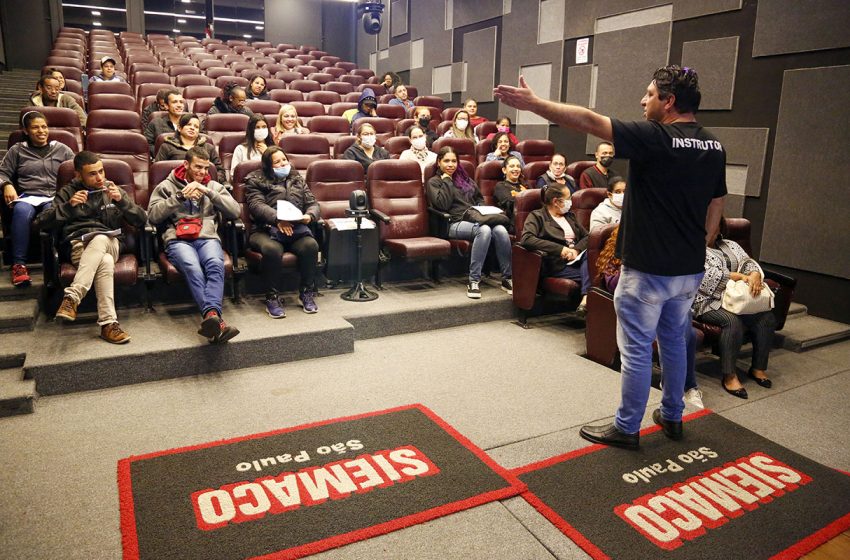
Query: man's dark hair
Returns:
{"type": "Point", "coordinates": [604, 143]}
{"type": "Point", "coordinates": [683, 83]}
{"type": "Point", "coordinates": [85, 158]}
{"type": "Point", "coordinates": [555, 191]}
{"type": "Point", "coordinates": [162, 94]}
{"type": "Point", "coordinates": [44, 78]}
{"type": "Point", "coordinates": [196, 152]}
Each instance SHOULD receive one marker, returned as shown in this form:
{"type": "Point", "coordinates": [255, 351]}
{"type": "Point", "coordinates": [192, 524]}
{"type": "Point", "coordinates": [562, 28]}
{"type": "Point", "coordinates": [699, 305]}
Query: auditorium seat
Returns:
{"type": "Point", "coordinates": [273, 84]}
{"type": "Point", "coordinates": [72, 62]}
{"type": "Point", "coordinates": [353, 97]}
{"type": "Point", "coordinates": [584, 202]}
{"type": "Point", "coordinates": [305, 86]}
{"type": "Point", "coordinates": [321, 77]}
{"type": "Point", "coordinates": [306, 69]}
{"type": "Point", "coordinates": [202, 106]}
{"type": "Point", "coordinates": [213, 69]}
{"type": "Point", "coordinates": [222, 81]}
{"type": "Point", "coordinates": [355, 81]}
{"type": "Point", "coordinates": [395, 112]}
{"type": "Point", "coordinates": [226, 143]}
{"type": "Point", "coordinates": [463, 147]}
{"type": "Point", "coordinates": [576, 168]}
{"type": "Point", "coordinates": [303, 149]}
{"type": "Point", "coordinates": [384, 128]}
{"type": "Point", "coordinates": [137, 67]}
{"type": "Point", "coordinates": [111, 101]}
{"type": "Point", "coordinates": [347, 66]}
{"type": "Point", "coordinates": [487, 174]}
{"type": "Point", "coordinates": [363, 72]}
{"type": "Point", "coordinates": [323, 97]}
{"type": "Point", "coordinates": [100, 88]}
{"type": "Point", "coordinates": [113, 119]}
{"type": "Point", "coordinates": [183, 69]}
{"type": "Point", "coordinates": [226, 122]}
{"type": "Point", "coordinates": [343, 143]}
{"type": "Point", "coordinates": [340, 88]}
{"type": "Point", "coordinates": [532, 171]}
{"type": "Point", "coordinates": [144, 77]}
{"type": "Point", "coordinates": [337, 73]}
{"type": "Point", "coordinates": [429, 101]}
{"type": "Point", "coordinates": [396, 145]}
{"type": "Point", "coordinates": [385, 98]}
{"type": "Point", "coordinates": [536, 150]}
{"type": "Point", "coordinates": [70, 72]}
{"type": "Point", "coordinates": [286, 95]}
{"type": "Point", "coordinates": [485, 128]}
{"type": "Point", "coordinates": [288, 76]}
{"type": "Point", "coordinates": [56, 134]}
{"type": "Point", "coordinates": [263, 106]}
{"type": "Point", "coordinates": [331, 127]}
{"type": "Point", "coordinates": [130, 147]}
{"type": "Point", "coordinates": [145, 90]}
{"type": "Point", "coordinates": [332, 182]}
{"type": "Point", "coordinates": [184, 80]}
{"type": "Point", "coordinates": [402, 125]}
{"type": "Point", "coordinates": [59, 118]}
{"type": "Point", "coordinates": [482, 148]}
{"type": "Point", "coordinates": [308, 109]}
{"type": "Point", "coordinates": [74, 86]}
{"type": "Point", "coordinates": [449, 113]}
{"type": "Point", "coordinates": [443, 127]}
{"type": "Point", "coordinates": [397, 199]}
{"type": "Point", "coordinates": [200, 91]}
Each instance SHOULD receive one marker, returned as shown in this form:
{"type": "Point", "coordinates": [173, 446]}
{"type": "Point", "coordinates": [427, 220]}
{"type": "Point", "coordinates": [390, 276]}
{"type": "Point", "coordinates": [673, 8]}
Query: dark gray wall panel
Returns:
{"type": "Point", "coordinates": [479, 52]}
{"type": "Point", "coordinates": [459, 70]}
{"type": "Point", "coordinates": [806, 220]}
{"type": "Point", "coordinates": [400, 57]}
{"type": "Point", "coordinates": [745, 146]}
{"type": "Point", "coordinates": [787, 27]}
{"type": "Point", "coordinates": [524, 131]}
{"type": "Point", "coordinates": [366, 45]}
{"type": "Point", "coordinates": [427, 22]}
{"type": "Point", "coordinates": [715, 60]}
{"type": "Point", "coordinates": [466, 12]}
{"type": "Point", "coordinates": [578, 84]}
{"type": "Point", "coordinates": [623, 79]}
{"type": "Point", "coordinates": [686, 9]}
{"type": "Point", "coordinates": [733, 206]}
{"type": "Point", "coordinates": [398, 13]}
{"type": "Point", "coordinates": [292, 21]}
{"type": "Point", "coordinates": [520, 48]}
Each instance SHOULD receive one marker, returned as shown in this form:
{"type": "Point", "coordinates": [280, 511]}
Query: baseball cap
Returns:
{"type": "Point", "coordinates": [107, 58]}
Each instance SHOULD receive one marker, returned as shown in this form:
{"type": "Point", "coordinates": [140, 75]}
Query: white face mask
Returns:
{"type": "Point", "coordinates": [261, 134]}
{"type": "Point", "coordinates": [566, 205]}
{"type": "Point", "coordinates": [418, 143]}
{"type": "Point", "coordinates": [368, 140]}
{"type": "Point", "coordinates": [461, 124]}
{"type": "Point", "coordinates": [617, 199]}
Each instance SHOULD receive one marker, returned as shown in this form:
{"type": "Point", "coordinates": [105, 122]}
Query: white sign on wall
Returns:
{"type": "Point", "coordinates": [582, 46]}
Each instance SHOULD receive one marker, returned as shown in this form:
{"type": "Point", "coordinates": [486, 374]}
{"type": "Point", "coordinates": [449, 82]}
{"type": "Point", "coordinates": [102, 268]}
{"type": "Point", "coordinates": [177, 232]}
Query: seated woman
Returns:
{"type": "Point", "coordinates": [471, 107]}
{"type": "Point", "coordinates": [256, 135]}
{"type": "Point", "coordinates": [725, 260]}
{"type": "Point", "coordinates": [56, 73]}
{"type": "Point", "coordinates": [418, 150]}
{"type": "Point", "coordinates": [277, 180]}
{"type": "Point", "coordinates": [389, 82]}
{"type": "Point", "coordinates": [231, 101]}
{"type": "Point", "coordinates": [422, 116]}
{"type": "Point", "coordinates": [506, 191]}
{"type": "Point", "coordinates": [451, 190]}
{"type": "Point", "coordinates": [556, 232]}
{"type": "Point", "coordinates": [460, 127]}
{"type": "Point", "coordinates": [365, 150]}
{"type": "Point", "coordinates": [287, 123]}
{"type": "Point", "coordinates": [257, 88]}
{"type": "Point", "coordinates": [503, 125]}
{"type": "Point", "coordinates": [610, 210]}
{"type": "Point", "coordinates": [501, 147]}
{"type": "Point", "coordinates": [188, 135]}
{"type": "Point", "coordinates": [28, 175]}
{"type": "Point", "coordinates": [557, 174]}
{"type": "Point", "coordinates": [401, 99]}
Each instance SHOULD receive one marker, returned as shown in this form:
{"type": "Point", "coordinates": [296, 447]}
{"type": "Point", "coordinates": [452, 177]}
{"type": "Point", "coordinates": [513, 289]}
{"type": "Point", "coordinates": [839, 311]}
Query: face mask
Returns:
{"type": "Point", "coordinates": [556, 174]}
{"type": "Point", "coordinates": [368, 140]}
{"type": "Point", "coordinates": [418, 143]}
{"type": "Point", "coordinates": [503, 128]}
{"type": "Point", "coordinates": [606, 161]}
{"type": "Point", "coordinates": [282, 172]}
{"type": "Point", "coordinates": [424, 121]}
{"type": "Point", "coordinates": [461, 124]}
{"type": "Point", "coordinates": [261, 134]}
{"type": "Point", "coordinates": [617, 199]}
{"type": "Point", "coordinates": [566, 205]}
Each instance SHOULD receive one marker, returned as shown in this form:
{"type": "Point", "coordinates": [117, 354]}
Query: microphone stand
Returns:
{"type": "Point", "coordinates": [358, 291]}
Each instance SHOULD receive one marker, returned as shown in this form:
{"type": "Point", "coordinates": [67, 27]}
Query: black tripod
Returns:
{"type": "Point", "coordinates": [358, 291]}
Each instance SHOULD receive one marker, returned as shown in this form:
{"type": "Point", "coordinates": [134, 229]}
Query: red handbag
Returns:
{"type": "Point", "coordinates": [189, 228]}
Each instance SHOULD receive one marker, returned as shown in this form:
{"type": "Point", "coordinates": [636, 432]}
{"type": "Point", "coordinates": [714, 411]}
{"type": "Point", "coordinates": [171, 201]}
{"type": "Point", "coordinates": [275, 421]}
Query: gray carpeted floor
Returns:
{"type": "Point", "coordinates": [520, 394]}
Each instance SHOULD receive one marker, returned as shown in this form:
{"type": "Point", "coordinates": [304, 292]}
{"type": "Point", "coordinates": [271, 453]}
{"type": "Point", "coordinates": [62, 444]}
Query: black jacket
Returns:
{"type": "Point", "coordinates": [542, 233]}
{"type": "Point", "coordinates": [502, 194]}
{"type": "Point", "coordinates": [262, 194]}
{"type": "Point", "coordinates": [356, 153]}
{"type": "Point", "coordinates": [446, 197]}
{"type": "Point", "coordinates": [173, 149]}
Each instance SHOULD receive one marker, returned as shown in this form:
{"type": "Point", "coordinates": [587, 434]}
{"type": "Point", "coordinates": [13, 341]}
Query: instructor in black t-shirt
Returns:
{"type": "Point", "coordinates": [676, 189]}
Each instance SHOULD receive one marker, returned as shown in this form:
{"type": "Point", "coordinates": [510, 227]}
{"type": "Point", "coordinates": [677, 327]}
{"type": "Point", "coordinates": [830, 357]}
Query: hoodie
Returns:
{"type": "Point", "coordinates": [31, 173]}
{"type": "Point", "coordinates": [173, 149]}
{"type": "Point", "coordinates": [367, 96]}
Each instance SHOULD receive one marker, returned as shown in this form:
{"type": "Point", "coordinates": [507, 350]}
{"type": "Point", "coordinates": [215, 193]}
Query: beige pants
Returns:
{"type": "Point", "coordinates": [95, 262]}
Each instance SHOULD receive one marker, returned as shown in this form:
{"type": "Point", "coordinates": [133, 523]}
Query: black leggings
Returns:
{"type": "Point", "coordinates": [305, 248]}
{"type": "Point", "coordinates": [761, 327]}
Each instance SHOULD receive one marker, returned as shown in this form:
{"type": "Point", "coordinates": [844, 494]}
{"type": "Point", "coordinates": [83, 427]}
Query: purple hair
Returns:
{"type": "Point", "coordinates": [460, 178]}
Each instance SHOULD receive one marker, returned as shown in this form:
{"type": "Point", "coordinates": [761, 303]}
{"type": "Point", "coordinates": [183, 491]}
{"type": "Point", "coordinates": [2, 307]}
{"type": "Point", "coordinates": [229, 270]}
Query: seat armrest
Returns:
{"type": "Point", "coordinates": [783, 288]}
{"type": "Point", "coordinates": [438, 222]}
{"type": "Point", "coordinates": [49, 239]}
{"type": "Point", "coordinates": [378, 215]}
{"type": "Point", "coordinates": [526, 275]}
{"type": "Point", "coordinates": [601, 328]}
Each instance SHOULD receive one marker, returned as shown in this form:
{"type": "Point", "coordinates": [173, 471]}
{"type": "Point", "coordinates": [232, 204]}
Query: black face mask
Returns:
{"type": "Point", "coordinates": [424, 121]}
{"type": "Point", "coordinates": [606, 161]}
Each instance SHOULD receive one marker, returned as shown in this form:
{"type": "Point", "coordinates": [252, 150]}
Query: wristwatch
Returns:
{"type": "Point", "coordinates": [180, 196]}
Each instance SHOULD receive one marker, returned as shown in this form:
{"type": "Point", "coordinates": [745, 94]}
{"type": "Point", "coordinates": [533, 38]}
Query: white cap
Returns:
{"type": "Point", "coordinates": [105, 58]}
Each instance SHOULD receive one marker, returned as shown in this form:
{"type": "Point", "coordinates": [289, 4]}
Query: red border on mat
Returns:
{"type": "Point", "coordinates": [129, 536]}
{"type": "Point", "coordinates": [793, 552]}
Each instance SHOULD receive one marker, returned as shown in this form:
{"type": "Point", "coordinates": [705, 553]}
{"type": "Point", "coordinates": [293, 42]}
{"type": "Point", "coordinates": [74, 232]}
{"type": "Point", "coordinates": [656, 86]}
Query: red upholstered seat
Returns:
{"type": "Point", "coordinates": [183, 80]}
{"type": "Point", "coordinates": [286, 95]}
{"type": "Point", "coordinates": [347, 66]}
{"type": "Point", "coordinates": [576, 168]}
{"type": "Point", "coordinates": [57, 134]}
{"type": "Point", "coordinates": [59, 118]}
{"type": "Point", "coordinates": [226, 143]}
{"type": "Point", "coordinates": [111, 101]}
{"type": "Point", "coordinates": [536, 150]}
{"type": "Point", "coordinates": [337, 73]}
{"type": "Point", "coordinates": [343, 143]}
{"type": "Point", "coordinates": [352, 97]}
{"type": "Point", "coordinates": [181, 69]}
{"type": "Point", "coordinates": [288, 76]}
{"type": "Point", "coordinates": [226, 122]}
{"type": "Point", "coordinates": [273, 84]}
{"type": "Point", "coordinates": [202, 106]}
{"type": "Point", "coordinates": [485, 128]}
{"type": "Point", "coordinates": [307, 109]}
{"type": "Point", "coordinates": [113, 119]}
{"type": "Point", "coordinates": [263, 106]}
{"type": "Point", "coordinates": [482, 148]}
{"type": "Point", "coordinates": [321, 77]}
{"type": "Point", "coordinates": [384, 128]}
{"type": "Point", "coordinates": [330, 127]}
{"type": "Point", "coordinates": [396, 145]}
{"type": "Point", "coordinates": [306, 69]}
{"type": "Point", "coordinates": [98, 88]}
{"type": "Point", "coordinates": [323, 97]}
{"type": "Point", "coordinates": [387, 111]}
{"type": "Point", "coordinates": [487, 174]}
{"type": "Point", "coordinates": [305, 86]}
{"type": "Point", "coordinates": [222, 81]}
{"type": "Point", "coordinates": [130, 147]}
{"type": "Point", "coordinates": [364, 72]}
{"type": "Point", "coordinates": [355, 81]}
{"type": "Point", "coordinates": [332, 182]}
{"type": "Point", "coordinates": [213, 70]}
{"type": "Point", "coordinates": [395, 189]}
{"type": "Point", "coordinates": [303, 149]}
{"type": "Point", "coordinates": [339, 87]}
{"type": "Point", "coordinates": [149, 77]}
{"type": "Point", "coordinates": [463, 147]}
{"type": "Point", "coordinates": [584, 202]}
{"type": "Point", "coordinates": [532, 171]}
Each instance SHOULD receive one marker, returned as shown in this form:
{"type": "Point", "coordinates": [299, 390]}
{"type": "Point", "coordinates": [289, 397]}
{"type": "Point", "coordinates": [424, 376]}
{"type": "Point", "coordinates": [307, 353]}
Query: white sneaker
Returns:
{"type": "Point", "coordinates": [473, 290]}
{"type": "Point", "coordinates": [694, 397]}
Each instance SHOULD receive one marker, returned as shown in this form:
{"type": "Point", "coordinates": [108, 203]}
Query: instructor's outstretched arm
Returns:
{"type": "Point", "coordinates": [563, 114]}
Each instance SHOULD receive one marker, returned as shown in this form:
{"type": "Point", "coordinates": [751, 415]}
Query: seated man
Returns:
{"type": "Point", "coordinates": [610, 210]}
{"type": "Point", "coordinates": [107, 71]}
{"type": "Point", "coordinates": [90, 210]}
{"type": "Point", "coordinates": [160, 104]}
{"type": "Point", "coordinates": [188, 196]}
{"type": "Point", "coordinates": [167, 123]}
{"type": "Point", "coordinates": [556, 232]}
{"type": "Point", "coordinates": [597, 176]}
{"type": "Point", "coordinates": [50, 95]}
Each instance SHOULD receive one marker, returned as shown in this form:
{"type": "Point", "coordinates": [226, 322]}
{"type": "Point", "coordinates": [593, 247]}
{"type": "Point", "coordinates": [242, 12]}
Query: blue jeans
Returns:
{"type": "Point", "coordinates": [691, 349]}
{"type": "Point", "coordinates": [22, 216]}
{"type": "Point", "coordinates": [577, 272]}
{"type": "Point", "coordinates": [480, 235]}
{"type": "Point", "coordinates": [650, 306]}
{"type": "Point", "coordinates": [201, 262]}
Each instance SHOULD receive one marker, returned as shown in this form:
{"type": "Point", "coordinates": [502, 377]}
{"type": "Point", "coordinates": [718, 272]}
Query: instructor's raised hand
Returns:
{"type": "Point", "coordinates": [521, 97]}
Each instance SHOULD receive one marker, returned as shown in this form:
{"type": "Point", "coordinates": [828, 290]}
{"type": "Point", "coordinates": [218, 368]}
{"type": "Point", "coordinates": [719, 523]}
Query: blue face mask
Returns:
{"type": "Point", "coordinates": [282, 172]}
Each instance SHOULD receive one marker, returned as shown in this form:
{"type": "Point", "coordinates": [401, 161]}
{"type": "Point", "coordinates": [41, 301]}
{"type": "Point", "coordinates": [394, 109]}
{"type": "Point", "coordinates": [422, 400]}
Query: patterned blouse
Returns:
{"type": "Point", "coordinates": [720, 262]}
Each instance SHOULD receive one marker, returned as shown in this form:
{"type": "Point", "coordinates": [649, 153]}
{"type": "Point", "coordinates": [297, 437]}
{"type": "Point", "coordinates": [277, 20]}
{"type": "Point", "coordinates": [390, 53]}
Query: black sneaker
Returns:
{"type": "Point", "coordinates": [508, 286]}
{"type": "Point", "coordinates": [473, 290]}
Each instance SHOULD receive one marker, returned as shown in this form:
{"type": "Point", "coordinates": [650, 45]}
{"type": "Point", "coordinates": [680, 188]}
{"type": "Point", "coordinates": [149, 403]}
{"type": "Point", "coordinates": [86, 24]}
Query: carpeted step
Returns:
{"type": "Point", "coordinates": [804, 332]}
{"type": "Point", "coordinates": [18, 315]}
{"type": "Point", "coordinates": [797, 310]}
{"type": "Point", "coordinates": [17, 395]}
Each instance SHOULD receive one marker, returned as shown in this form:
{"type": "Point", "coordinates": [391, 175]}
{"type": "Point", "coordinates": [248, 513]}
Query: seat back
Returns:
{"type": "Point", "coordinates": [486, 128]}
{"type": "Point", "coordinates": [226, 143]}
{"type": "Point", "coordinates": [111, 101]}
{"type": "Point", "coordinates": [226, 122]}
{"type": "Point", "coordinates": [431, 169]}
{"type": "Point", "coordinates": [330, 127]}
{"type": "Point", "coordinates": [57, 134]}
{"type": "Point", "coordinates": [487, 174]}
{"type": "Point", "coordinates": [576, 168]}
{"type": "Point", "coordinates": [130, 147]}
{"type": "Point", "coordinates": [429, 101]}
{"type": "Point", "coordinates": [482, 148]}
{"type": "Point", "coordinates": [526, 203]}
{"type": "Point", "coordinates": [332, 182]}
{"type": "Point", "coordinates": [321, 77]}
{"type": "Point", "coordinates": [384, 128]}
{"type": "Point", "coordinates": [286, 95]}
{"type": "Point", "coordinates": [353, 80]}
{"type": "Point", "coordinates": [263, 106]}
{"type": "Point", "coordinates": [99, 88]}
{"type": "Point", "coordinates": [536, 150]}
{"type": "Point", "coordinates": [304, 86]}
{"type": "Point", "coordinates": [59, 118]}
{"type": "Point", "coordinates": [113, 119]}
{"type": "Point", "coordinates": [396, 145]}
{"type": "Point", "coordinates": [339, 87]}
{"type": "Point", "coordinates": [584, 202]}
{"type": "Point", "coordinates": [463, 147]}
{"type": "Point", "coordinates": [323, 97]}
{"type": "Point", "coordinates": [303, 149]}
{"type": "Point", "coordinates": [184, 80]}
{"type": "Point", "coordinates": [343, 143]}
{"type": "Point", "coordinates": [532, 171]}
{"type": "Point", "coordinates": [337, 109]}
{"type": "Point", "coordinates": [387, 111]}
{"type": "Point", "coordinates": [395, 188]}
{"type": "Point", "coordinates": [222, 81]}
{"type": "Point", "coordinates": [449, 114]}
{"type": "Point", "coordinates": [214, 70]}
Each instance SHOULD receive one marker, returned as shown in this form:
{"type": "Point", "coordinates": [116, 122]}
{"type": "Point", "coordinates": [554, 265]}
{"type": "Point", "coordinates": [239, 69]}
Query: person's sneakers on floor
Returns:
{"type": "Point", "coordinates": [67, 309]}
{"type": "Point", "coordinates": [225, 332]}
{"type": "Point", "coordinates": [307, 301]}
{"type": "Point", "coordinates": [114, 333]}
{"type": "Point", "coordinates": [20, 276]}
{"type": "Point", "coordinates": [210, 325]}
{"type": "Point", "coordinates": [473, 290]}
{"type": "Point", "coordinates": [693, 397]}
{"type": "Point", "coordinates": [274, 308]}
{"type": "Point", "coordinates": [508, 286]}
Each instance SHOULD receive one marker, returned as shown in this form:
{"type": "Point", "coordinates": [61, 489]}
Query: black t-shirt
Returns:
{"type": "Point", "coordinates": [675, 170]}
